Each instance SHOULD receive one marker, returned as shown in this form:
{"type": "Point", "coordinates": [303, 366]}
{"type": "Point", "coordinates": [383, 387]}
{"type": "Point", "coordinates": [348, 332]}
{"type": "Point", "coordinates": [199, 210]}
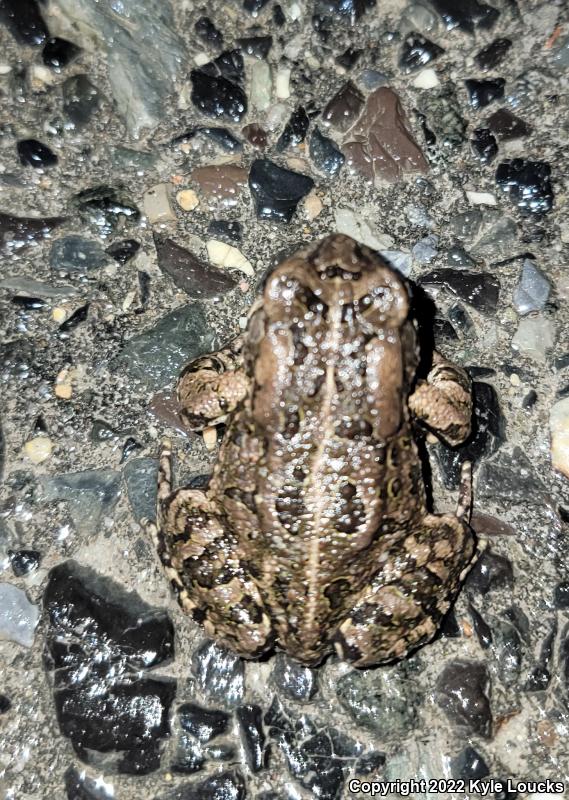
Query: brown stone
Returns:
{"type": "Point", "coordinates": [380, 145]}
{"type": "Point", "coordinates": [256, 135]}
{"type": "Point", "coordinates": [508, 126]}
{"type": "Point", "coordinates": [220, 181]}
{"type": "Point", "coordinates": [200, 280]}
{"type": "Point", "coordinates": [344, 108]}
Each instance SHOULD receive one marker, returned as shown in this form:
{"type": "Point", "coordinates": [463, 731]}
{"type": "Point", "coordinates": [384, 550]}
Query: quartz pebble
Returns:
{"type": "Point", "coordinates": [38, 449]}
{"type": "Point", "coordinates": [18, 617]}
{"type": "Point", "coordinates": [156, 204]}
{"type": "Point", "coordinates": [225, 255]}
{"type": "Point", "coordinates": [282, 83]}
{"type": "Point", "coordinates": [532, 291]}
{"type": "Point", "coordinates": [187, 199]}
{"type": "Point", "coordinates": [426, 79]}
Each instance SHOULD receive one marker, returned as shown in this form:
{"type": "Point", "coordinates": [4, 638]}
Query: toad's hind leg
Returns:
{"type": "Point", "coordinates": [200, 557]}
{"type": "Point", "coordinates": [406, 600]}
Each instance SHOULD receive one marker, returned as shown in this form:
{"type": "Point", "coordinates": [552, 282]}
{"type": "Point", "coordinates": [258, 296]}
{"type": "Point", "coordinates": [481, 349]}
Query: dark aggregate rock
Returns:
{"type": "Point", "coordinates": [293, 680]}
{"type": "Point", "coordinates": [219, 673]}
{"type": "Point", "coordinates": [417, 52]}
{"type": "Point", "coordinates": [33, 153]}
{"type": "Point", "coordinates": [540, 676]}
{"type": "Point", "coordinates": [491, 55]}
{"type": "Point", "coordinates": [5, 704]}
{"type": "Point", "coordinates": [377, 701]}
{"type": "Point", "coordinates": [479, 289]}
{"type": "Point", "coordinates": [254, 7]}
{"type": "Point", "coordinates": [483, 92]}
{"type": "Point", "coordinates": [278, 16]}
{"type": "Point", "coordinates": [529, 400]}
{"type": "Point", "coordinates": [459, 318]}
{"type": "Point", "coordinates": [512, 478]}
{"type": "Point", "coordinates": [215, 87]}
{"type": "Point", "coordinates": [466, 15]}
{"type": "Point", "coordinates": [90, 495]}
{"type": "Point", "coordinates": [99, 638]}
{"type": "Point", "coordinates": [228, 785]}
{"type": "Point", "coordinates": [462, 691]}
{"type": "Point", "coordinates": [130, 447]}
{"type": "Point", "coordinates": [324, 154]}
{"type": "Point", "coordinates": [449, 627]}
{"type": "Point", "coordinates": [294, 131]}
{"type": "Point", "coordinates": [123, 251]}
{"type": "Point", "coordinates": [349, 58]}
{"type": "Point", "coordinates": [469, 765]}
{"type": "Point", "coordinates": [484, 145]}
{"type": "Point", "coordinates": [227, 230]}
{"type": "Point", "coordinates": [28, 303]}
{"type": "Point", "coordinates": [80, 786]}
{"type": "Point", "coordinates": [481, 628]}
{"type": "Point", "coordinates": [17, 233]}
{"type": "Point", "coordinates": [344, 108]}
{"type": "Point", "coordinates": [197, 278]}
{"type": "Point", "coordinates": [444, 118]}
{"type": "Point", "coordinates": [488, 434]}
{"type": "Point", "coordinates": [561, 595]}
{"type": "Point", "coordinates": [141, 480]}
{"type": "Point", "coordinates": [24, 21]}
{"type": "Point", "coordinates": [255, 135]}
{"type": "Point", "coordinates": [527, 184]}
{"type": "Point", "coordinates": [202, 723]}
{"type": "Point", "coordinates": [276, 191]}
{"type": "Point", "coordinates": [353, 9]}
{"type": "Point", "coordinates": [250, 720]}
{"type": "Point", "coordinates": [507, 126]}
{"type": "Point", "coordinates": [508, 651]}
{"type": "Point", "coordinates": [458, 257]}
{"type": "Point", "coordinates": [77, 318]}
{"type": "Point", "coordinates": [491, 571]}
{"type": "Point", "coordinates": [257, 46]}
{"type": "Point", "coordinates": [192, 755]}
{"type": "Point", "coordinates": [106, 208]}
{"type": "Point", "coordinates": [157, 355]}
{"type": "Point", "coordinates": [81, 99]}
{"type": "Point", "coordinates": [24, 561]}
{"type": "Point", "coordinates": [370, 763]}
{"type": "Point", "coordinates": [487, 525]}
{"type": "Point", "coordinates": [75, 254]}
{"type": "Point", "coordinates": [58, 53]}
{"type": "Point", "coordinates": [207, 32]}
{"type": "Point", "coordinates": [221, 137]}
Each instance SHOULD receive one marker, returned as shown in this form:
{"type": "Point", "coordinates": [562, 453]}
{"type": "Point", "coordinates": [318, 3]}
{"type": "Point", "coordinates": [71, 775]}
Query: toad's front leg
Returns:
{"type": "Point", "coordinates": [199, 554]}
{"type": "Point", "coordinates": [443, 403]}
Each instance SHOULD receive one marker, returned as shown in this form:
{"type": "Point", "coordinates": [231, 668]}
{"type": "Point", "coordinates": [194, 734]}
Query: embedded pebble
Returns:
{"type": "Point", "coordinates": [344, 107]}
{"type": "Point", "coordinates": [81, 99]}
{"type": "Point", "coordinates": [220, 181]}
{"type": "Point", "coordinates": [491, 55]}
{"type": "Point", "coordinates": [527, 184]}
{"type": "Point", "coordinates": [219, 673]}
{"type": "Point", "coordinates": [200, 280]}
{"type": "Point", "coordinates": [187, 199]}
{"type": "Point", "coordinates": [282, 83]}
{"type": "Point", "coordinates": [36, 154]}
{"type": "Point", "coordinates": [91, 495]}
{"type": "Point", "coordinates": [482, 93]}
{"type": "Point", "coordinates": [462, 691]}
{"type": "Point", "coordinates": [58, 53]}
{"type": "Point", "coordinates": [532, 291]}
{"type": "Point", "coordinates": [75, 254]}
{"type": "Point", "coordinates": [294, 131]}
{"type": "Point", "coordinates": [225, 255]}
{"type": "Point", "coordinates": [38, 449]}
{"type": "Point", "coordinates": [276, 191]}
{"type": "Point", "coordinates": [18, 233]}
{"type": "Point", "coordinates": [534, 337]}
{"type": "Point", "coordinates": [418, 51]}
{"type": "Point", "coordinates": [324, 153]}
{"type": "Point", "coordinates": [481, 198]}
{"type": "Point", "coordinates": [559, 430]}
{"type": "Point", "coordinates": [156, 204]}
{"type": "Point", "coordinates": [261, 85]}
{"type": "Point", "coordinates": [426, 79]}
{"type": "Point", "coordinates": [312, 205]}
{"type": "Point", "coordinates": [18, 616]}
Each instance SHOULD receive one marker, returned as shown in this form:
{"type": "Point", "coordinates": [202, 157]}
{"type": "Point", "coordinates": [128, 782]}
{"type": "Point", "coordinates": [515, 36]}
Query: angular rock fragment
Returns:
{"type": "Point", "coordinates": [276, 191]}
{"type": "Point", "coordinates": [200, 280]}
{"type": "Point", "coordinates": [491, 55]}
{"type": "Point", "coordinates": [417, 52]}
{"type": "Point", "coordinates": [324, 154]}
{"type": "Point", "coordinates": [220, 181]}
{"type": "Point", "coordinates": [344, 108]}
{"type": "Point", "coordinates": [17, 233]}
{"type": "Point", "coordinates": [482, 93]}
{"type": "Point", "coordinates": [527, 184]}
{"type": "Point", "coordinates": [478, 289]}
{"type": "Point", "coordinates": [466, 15]}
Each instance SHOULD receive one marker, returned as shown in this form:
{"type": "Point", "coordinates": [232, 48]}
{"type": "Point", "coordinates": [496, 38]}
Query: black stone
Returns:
{"type": "Point", "coordinates": [466, 15]}
{"type": "Point", "coordinates": [459, 318]}
{"type": "Point", "coordinates": [417, 52]}
{"type": "Point", "coordinates": [481, 628]}
{"type": "Point", "coordinates": [370, 763]}
{"type": "Point", "coordinates": [197, 278]}
{"type": "Point", "coordinates": [491, 55]}
{"type": "Point", "coordinates": [130, 447]}
{"type": "Point", "coordinates": [527, 184]}
{"type": "Point", "coordinates": [293, 680]}
{"type": "Point", "coordinates": [219, 673]}
{"type": "Point", "coordinates": [202, 723]}
{"type": "Point", "coordinates": [349, 58]}
{"type": "Point", "coordinates": [324, 153]}
{"type": "Point", "coordinates": [538, 679]}
{"type": "Point", "coordinates": [482, 93]}
{"type": "Point", "coordinates": [106, 207]}
{"type": "Point", "coordinates": [484, 145]}
{"type": "Point", "coordinates": [17, 233]}
{"type": "Point", "coordinates": [24, 20]}
{"type": "Point", "coordinates": [24, 561]}
{"type": "Point", "coordinates": [276, 191]}
{"type": "Point", "coordinates": [224, 786]}
{"type": "Point", "coordinates": [488, 434]}
{"type": "Point", "coordinates": [449, 627]}
{"type": "Point", "coordinates": [530, 399]}
{"type": "Point", "coordinates": [443, 329]}
{"type": "Point", "coordinates": [28, 303]}
{"type": "Point", "coordinates": [507, 126]}
{"type": "Point", "coordinates": [491, 571]}
{"type": "Point", "coordinates": [561, 595]}
{"type": "Point", "coordinates": [257, 46]}
{"type": "Point", "coordinates": [219, 136]}
{"type": "Point", "coordinates": [124, 250]}
{"type": "Point", "coordinates": [469, 765]}
{"type": "Point", "coordinates": [254, 7]}
{"type": "Point", "coordinates": [35, 154]}
{"type": "Point", "coordinates": [351, 9]}
{"type": "Point", "coordinates": [207, 31]}
{"type": "Point", "coordinates": [5, 704]}
{"type": "Point", "coordinates": [99, 639]}
{"type": "Point", "coordinates": [295, 130]}
{"type": "Point", "coordinates": [225, 229]}
{"type": "Point", "coordinates": [512, 479]}
{"type": "Point", "coordinates": [217, 97]}
{"type": "Point", "coordinates": [228, 64]}
{"type": "Point", "coordinates": [479, 289]}
{"type": "Point", "coordinates": [58, 53]}
{"type": "Point", "coordinates": [80, 99]}
{"type": "Point", "coordinates": [462, 691]}
{"type": "Point", "coordinates": [250, 720]}
{"type": "Point", "coordinates": [508, 651]}
{"type": "Point", "coordinates": [79, 786]}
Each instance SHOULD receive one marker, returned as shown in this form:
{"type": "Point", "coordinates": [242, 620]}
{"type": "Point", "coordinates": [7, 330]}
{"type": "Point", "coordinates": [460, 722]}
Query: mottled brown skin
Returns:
{"type": "Point", "coordinates": [314, 534]}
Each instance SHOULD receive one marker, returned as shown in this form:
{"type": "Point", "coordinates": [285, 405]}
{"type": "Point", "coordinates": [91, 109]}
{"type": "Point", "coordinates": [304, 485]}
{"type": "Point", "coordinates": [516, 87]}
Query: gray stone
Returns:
{"type": "Point", "coordinates": [157, 355]}
{"type": "Point", "coordinates": [534, 337]}
{"type": "Point", "coordinates": [77, 254]}
{"type": "Point", "coordinates": [402, 262]}
{"type": "Point", "coordinates": [32, 288]}
{"type": "Point", "coordinates": [80, 99]}
{"type": "Point", "coordinates": [127, 158]}
{"type": "Point", "coordinates": [91, 495]}
{"type": "Point", "coordinates": [379, 700]}
{"type": "Point", "coordinates": [141, 480]}
{"type": "Point", "coordinates": [498, 240]}
{"type": "Point", "coordinates": [532, 291]}
{"type": "Point", "coordinates": [560, 55]}
{"type": "Point", "coordinates": [426, 249]}
{"type": "Point", "coordinates": [467, 224]}
{"type": "Point", "coordinates": [18, 617]}
{"type": "Point", "coordinates": [144, 52]}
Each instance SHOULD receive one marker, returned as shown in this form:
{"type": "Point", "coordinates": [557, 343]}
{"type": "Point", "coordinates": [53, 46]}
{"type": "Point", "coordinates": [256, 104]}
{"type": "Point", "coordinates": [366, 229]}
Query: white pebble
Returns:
{"type": "Point", "coordinates": [282, 84]}
{"type": "Point", "coordinates": [18, 617]}
{"type": "Point", "coordinates": [481, 198]}
{"type": "Point", "coordinates": [38, 449]}
{"type": "Point", "coordinates": [426, 79]}
{"type": "Point", "coordinates": [224, 255]}
{"type": "Point", "coordinates": [156, 203]}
